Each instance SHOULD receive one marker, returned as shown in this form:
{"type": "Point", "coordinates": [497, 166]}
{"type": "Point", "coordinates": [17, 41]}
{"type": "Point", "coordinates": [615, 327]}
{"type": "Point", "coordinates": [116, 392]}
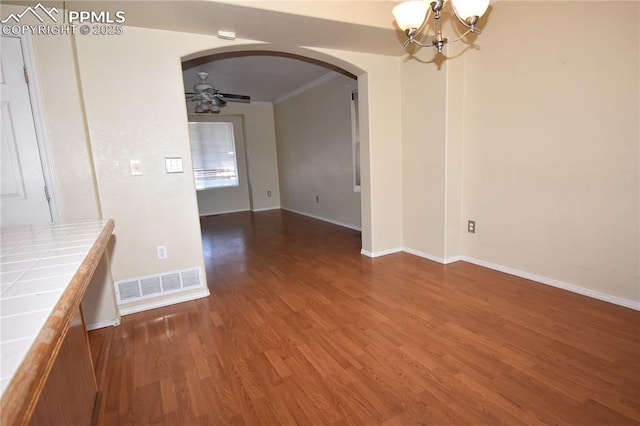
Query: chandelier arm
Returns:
{"type": "Point", "coordinates": [462, 36]}
{"type": "Point", "coordinates": [472, 28]}
{"type": "Point", "coordinates": [411, 40]}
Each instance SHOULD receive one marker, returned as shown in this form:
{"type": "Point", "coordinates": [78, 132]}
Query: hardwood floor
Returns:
{"type": "Point", "coordinates": [302, 329]}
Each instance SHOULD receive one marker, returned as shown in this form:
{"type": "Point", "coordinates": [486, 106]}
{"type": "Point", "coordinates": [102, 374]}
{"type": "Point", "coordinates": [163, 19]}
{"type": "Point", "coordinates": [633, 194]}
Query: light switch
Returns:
{"type": "Point", "coordinates": [136, 168]}
{"type": "Point", "coordinates": [173, 164]}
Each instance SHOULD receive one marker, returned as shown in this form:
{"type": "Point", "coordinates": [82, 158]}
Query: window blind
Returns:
{"type": "Point", "coordinates": [213, 153]}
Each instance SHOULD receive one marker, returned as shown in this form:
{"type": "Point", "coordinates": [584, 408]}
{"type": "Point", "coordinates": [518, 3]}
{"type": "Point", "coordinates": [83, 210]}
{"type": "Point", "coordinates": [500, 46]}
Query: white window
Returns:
{"type": "Point", "coordinates": [213, 151]}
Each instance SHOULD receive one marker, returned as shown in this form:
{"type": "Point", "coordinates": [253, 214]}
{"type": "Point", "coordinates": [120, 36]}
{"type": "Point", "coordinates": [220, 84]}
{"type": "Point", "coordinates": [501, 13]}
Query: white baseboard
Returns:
{"type": "Point", "coordinates": [223, 212]}
{"type": "Point", "coordinates": [425, 255]}
{"type": "Point", "coordinates": [102, 324]}
{"type": "Point", "coordinates": [556, 283]}
{"type": "Point", "coordinates": [529, 276]}
{"type": "Point", "coordinates": [381, 252]}
{"type": "Point", "coordinates": [266, 209]}
{"type": "Point", "coordinates": [324, 219]}
{"type": "Point", "coordinates": [178, 298]}
{"type": "Point", "coordinates": [452, 259]}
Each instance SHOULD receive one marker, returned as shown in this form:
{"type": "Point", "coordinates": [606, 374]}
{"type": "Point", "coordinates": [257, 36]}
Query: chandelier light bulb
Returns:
{"type": "Point", "coordinates": [410, 14]}
{"type": "Point", "coordinates": [466, 9]}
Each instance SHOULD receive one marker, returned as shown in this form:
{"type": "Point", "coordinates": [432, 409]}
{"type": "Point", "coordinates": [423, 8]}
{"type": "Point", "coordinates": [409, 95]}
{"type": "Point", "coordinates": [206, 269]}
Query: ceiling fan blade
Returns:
{"type": "Point", "coordinates": [235, 98]}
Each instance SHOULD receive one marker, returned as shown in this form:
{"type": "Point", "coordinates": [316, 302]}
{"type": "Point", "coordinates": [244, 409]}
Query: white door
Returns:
{"type": "Point", "coordinates": [23, 196]}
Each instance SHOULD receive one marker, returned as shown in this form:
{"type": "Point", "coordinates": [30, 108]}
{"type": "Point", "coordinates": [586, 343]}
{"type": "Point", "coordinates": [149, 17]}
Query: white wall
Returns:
{"type": "Point", "coordinates": [315, 152]}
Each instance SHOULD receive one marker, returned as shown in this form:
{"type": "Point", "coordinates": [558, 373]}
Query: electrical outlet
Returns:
{"type": "Point", "coordinates": [317, 198]}
{"type": "Point", "coordinates": [268, 193]}
{"type": "Point", "coordinates": [471, 226]}
{"type": "Point", "coordinates": [162, 252]}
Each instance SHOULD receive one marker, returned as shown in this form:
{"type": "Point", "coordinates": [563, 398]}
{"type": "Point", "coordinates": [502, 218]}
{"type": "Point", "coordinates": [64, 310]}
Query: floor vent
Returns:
{"type": "Point", "coordinates": [133, 289]}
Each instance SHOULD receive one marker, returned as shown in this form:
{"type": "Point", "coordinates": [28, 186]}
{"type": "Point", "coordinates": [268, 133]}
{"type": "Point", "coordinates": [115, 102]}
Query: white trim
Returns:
{"type": "Point", "coordinates": [124, 310]}
{"type": "Point", "coordinates": [452, 259]}
{"type": "Point", "coordinates": [324, 219]}
{"type": "Point", "coordinates": [381, 252]}
{"type": "Point", "coordinates": [224, 212]}
{"type": "Point", "coordinates": [40, 124]}
{"type": "Point", "coordinates": [102, 324]}
{"type": "Point", "coordinates": [627, 303]}
{"type": "Point", "coordinates": [266, 209]}
{"type": "Point", "coordinates": [424, 255]}
{"type": "Point", "coordinates": [308, 86]}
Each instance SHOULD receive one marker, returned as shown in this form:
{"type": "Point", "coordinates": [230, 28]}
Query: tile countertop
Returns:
{"type": "Point", "coordinates": [37, 264]}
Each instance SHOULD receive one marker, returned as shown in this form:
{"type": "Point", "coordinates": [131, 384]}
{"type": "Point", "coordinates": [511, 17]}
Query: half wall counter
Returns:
{"type": "Point", "coordinates": [46, 370]}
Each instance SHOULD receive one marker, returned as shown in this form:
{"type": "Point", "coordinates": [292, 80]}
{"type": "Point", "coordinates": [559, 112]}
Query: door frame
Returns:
{"type": "Point", "coordinates": [37, 108]}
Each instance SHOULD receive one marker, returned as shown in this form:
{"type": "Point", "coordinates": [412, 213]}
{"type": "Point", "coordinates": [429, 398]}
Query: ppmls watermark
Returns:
{"type": "Point", "coordinates": [83, 22]}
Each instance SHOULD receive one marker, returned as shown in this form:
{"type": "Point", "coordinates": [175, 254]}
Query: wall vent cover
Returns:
{"type": "Point", "coordinates": [171, 282]}
{"type": "Point", "coordinates": [134, 289]}
{"type": "Point", "coordinates": [128, 289]}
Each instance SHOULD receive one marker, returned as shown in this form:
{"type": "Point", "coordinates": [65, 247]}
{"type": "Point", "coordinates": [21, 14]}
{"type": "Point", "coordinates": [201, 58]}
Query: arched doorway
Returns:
{"type": "Point", "coordinates": [331, 63]}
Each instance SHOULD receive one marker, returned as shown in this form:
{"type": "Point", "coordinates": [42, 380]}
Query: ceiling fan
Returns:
{"type": "Point", "coordinates": [210, 99]}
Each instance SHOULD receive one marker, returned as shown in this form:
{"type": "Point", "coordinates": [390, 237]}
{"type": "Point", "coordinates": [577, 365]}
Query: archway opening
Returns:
{"type": "Point", "coordinates": [226, 64]}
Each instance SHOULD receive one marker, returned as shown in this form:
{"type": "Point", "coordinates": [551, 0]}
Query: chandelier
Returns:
{"type": "Point", "coordinates": [412, 17]}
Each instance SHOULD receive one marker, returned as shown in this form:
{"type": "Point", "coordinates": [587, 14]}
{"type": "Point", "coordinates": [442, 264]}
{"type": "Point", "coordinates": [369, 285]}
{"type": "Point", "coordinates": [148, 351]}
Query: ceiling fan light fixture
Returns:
{"type": "Point", "coordinates": [201, 106]}
{"type": "Point", "coordinates": [218, 102]}
{"type": "Point", "coordinates": [208, 99]}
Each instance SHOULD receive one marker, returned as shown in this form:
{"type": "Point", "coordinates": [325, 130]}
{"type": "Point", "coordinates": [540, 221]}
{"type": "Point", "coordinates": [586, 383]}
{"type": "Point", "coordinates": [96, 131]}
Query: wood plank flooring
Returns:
{"type": "Point", "coordinates": [302, 329]}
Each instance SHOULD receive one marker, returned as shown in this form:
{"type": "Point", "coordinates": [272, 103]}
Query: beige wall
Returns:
{"type": "Point", "coordinates": [156, 208]}
{"type": "Point", "coordinates": [551, 143]}
{"type": "Point", "coordinates": [534, 136]}
{"type": "Point", "coordinates": [160, 209]}
{"type": "Point", "coordinates": [260, 149]}
{"type": "Point", "coordinates": [315, 152]}
{"type": "Point", "coordinates": [381, 148]}
{"type": "Point", "coordinates": [260, 143]}
{"type": "Point", "coordinates": [432, 148]}
{"type": "Point", "coordinates": [379, 91]}
{"type": "Point", "coordinates": [423, 156]}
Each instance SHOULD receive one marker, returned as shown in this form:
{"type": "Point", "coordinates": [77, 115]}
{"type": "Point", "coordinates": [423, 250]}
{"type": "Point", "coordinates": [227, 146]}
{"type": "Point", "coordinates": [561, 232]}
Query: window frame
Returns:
{"type": "Point", "coordinates": [203, 183]}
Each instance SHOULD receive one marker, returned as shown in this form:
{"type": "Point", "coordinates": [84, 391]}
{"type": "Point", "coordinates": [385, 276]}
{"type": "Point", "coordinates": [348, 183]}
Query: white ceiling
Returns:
{"type": "Point", "coordinates": [264, 78]}
{"type": "Point", "coordinates": [353, 25]}
{"type": "Point", "coordinates": [356, 25]}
